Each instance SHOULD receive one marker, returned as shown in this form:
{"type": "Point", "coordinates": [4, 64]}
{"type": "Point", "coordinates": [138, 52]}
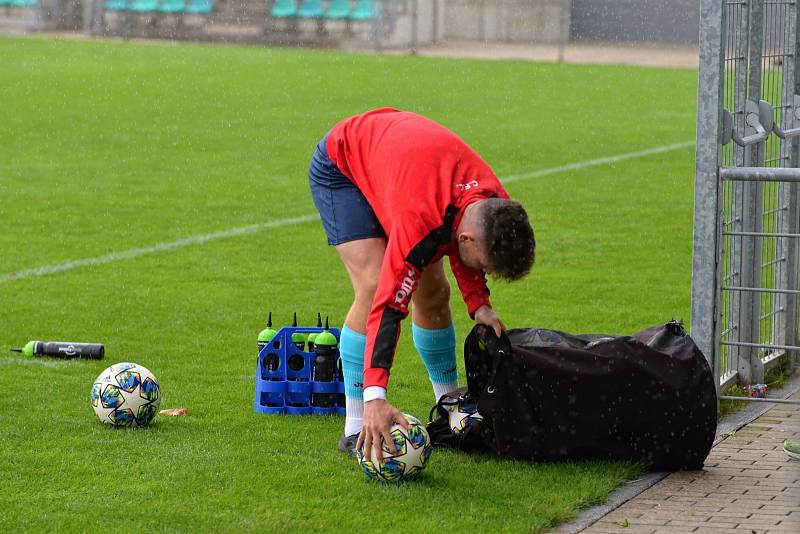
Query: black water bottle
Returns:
{"type": "Point", "coordinates": [298, 339]}
{"type": "Point", "coordinates": [341, 401]}
{"type": "Point", "coordinates": [297, 362]}
{"type": "Point", "coordinates": [265, 337]}
{"type": "Point", "coordinates": [63, 349]}
{"type": "Point", "coordinates": [312, 337]}
{"type": "Point", "coordinates": [324, 368]}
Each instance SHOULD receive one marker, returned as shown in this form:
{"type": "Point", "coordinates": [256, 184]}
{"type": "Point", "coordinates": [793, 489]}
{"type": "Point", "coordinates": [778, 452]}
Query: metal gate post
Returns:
{"type": "Point", "coordinates": [705, 259]}
{"type": "Point", "coordinates": [790, 222]}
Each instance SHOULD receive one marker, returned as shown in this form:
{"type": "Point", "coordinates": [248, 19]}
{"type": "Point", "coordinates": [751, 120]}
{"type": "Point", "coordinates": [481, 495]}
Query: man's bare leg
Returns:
{"type": "Point", "coordinates": [433, 332]}
{"type": "Point", "coordinates": [362, 259]}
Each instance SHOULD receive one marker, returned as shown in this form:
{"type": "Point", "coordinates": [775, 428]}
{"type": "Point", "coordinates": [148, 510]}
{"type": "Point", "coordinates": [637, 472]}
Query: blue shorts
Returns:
{"type": "Point", "coordinates": [346, 214]}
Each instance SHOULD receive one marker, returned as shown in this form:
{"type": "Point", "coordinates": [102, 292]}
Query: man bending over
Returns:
{"type": "Point", "coordinates": [396, 193]}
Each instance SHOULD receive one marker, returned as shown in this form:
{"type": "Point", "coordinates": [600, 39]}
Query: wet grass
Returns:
{"type": "Point", "coordinates": [112, 146]}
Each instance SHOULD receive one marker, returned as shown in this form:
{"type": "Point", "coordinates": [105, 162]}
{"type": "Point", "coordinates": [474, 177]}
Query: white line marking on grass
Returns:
{"type": "Point", "coordinates": [200, 239]}
{"type": "Point", "coordinates": [596, 162]}
{"type": "Point", "coordinates": [130, 254]}
{"type": "Point", "coordinates": [38, 361]}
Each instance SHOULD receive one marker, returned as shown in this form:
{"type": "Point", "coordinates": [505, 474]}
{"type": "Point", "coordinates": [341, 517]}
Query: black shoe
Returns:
{"type": "Point", "coordinates": [347, 444]}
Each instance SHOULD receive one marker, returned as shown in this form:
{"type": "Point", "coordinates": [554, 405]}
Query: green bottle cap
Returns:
{"type": "Point", "coordinates": [268, 333]}
{"type": "Point", "coordinates": [298, 337]}
{"type": "Point", "coordinates": [326, 338]}
{"type": "Point", "coordinates": [28, 349]}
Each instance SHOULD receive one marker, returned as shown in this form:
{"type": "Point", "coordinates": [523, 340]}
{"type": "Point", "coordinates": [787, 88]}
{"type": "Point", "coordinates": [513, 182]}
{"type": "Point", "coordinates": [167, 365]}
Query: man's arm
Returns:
{"type": "Point", "coordinates": [398, 279]}
{"type": "Point", "coordinates": [412, 245]}
{"type": "Point", "coordinates": [472, 284]}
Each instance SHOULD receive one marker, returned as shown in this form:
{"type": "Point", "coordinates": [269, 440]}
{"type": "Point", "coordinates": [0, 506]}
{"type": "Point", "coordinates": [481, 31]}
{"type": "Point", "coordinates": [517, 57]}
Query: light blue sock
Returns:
{"type": "Point", "coordinates": [437, 348]}
{"type": "Point", "coordinates": [351, 349]}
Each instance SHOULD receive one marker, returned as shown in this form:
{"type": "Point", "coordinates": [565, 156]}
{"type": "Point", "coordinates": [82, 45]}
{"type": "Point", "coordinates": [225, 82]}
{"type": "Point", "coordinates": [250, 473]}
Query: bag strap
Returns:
{"type": "Point", "coordinates": [498, 349]}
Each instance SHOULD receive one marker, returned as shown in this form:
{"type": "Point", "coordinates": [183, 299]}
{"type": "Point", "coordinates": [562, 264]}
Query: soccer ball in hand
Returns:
{"type": "Point", "coordinates": [402, 460]}
{"type": "Point", "coordinates": [126, 394]}
{"type": "Point", "coordinates": [462, 413]}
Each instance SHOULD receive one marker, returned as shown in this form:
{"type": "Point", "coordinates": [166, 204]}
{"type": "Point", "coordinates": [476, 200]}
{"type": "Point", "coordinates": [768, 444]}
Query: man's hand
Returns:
{"type": "Point", "coordinates": [378, 418]}
{"type": "Point", "coordinates": [486, 316]}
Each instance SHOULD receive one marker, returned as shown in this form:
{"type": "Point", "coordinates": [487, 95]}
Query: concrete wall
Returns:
{"type": "Point", "coordinates": [665, 21]}
{"type": "Point", "coordinates": [400, 29]}
{"type": "Point", "coordinates": [519, 21]}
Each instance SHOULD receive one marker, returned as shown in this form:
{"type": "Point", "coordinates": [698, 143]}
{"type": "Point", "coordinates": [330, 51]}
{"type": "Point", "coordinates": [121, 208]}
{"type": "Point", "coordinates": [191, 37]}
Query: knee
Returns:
{"type": "Point", "coordinates": [365, 290]}
{"type": "Point", "coordinates": [434, 298]}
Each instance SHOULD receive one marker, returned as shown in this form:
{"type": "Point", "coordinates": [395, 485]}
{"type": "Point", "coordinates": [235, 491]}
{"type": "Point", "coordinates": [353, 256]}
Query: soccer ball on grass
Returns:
{"type": "Point", "coordinates": [402, 460]}
{"type": "Point", "coordinates": [126, 394]}
{"type": "Point", "coordinates": [462, 413]}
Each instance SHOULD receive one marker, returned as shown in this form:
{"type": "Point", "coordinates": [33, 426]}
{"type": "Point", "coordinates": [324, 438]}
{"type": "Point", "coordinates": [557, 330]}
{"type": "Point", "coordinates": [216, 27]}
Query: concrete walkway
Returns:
{"type": "Point", "coordinates": [748, 485]}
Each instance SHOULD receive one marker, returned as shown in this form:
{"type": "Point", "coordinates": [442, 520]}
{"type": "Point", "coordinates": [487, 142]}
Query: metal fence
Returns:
{"type": "Point", "coordinates": [747, 223]}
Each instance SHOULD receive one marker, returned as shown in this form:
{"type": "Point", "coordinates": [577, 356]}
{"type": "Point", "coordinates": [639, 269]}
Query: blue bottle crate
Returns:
{"type": "Point", "coordinates": [340, 408]}
{"type": "Point", "coordinates": [324, 387]}
{"type": "Point", "coordinates": [283, 377]}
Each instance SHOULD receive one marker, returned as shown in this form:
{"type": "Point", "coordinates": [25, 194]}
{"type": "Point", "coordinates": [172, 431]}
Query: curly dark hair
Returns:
{"type": "Point", "coordinates": [510, 243]}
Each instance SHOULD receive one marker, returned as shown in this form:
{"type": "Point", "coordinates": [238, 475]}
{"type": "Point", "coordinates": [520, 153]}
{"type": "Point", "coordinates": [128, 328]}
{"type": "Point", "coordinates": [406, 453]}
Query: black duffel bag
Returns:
{"type": "Point", "coordinates": [544, 395]}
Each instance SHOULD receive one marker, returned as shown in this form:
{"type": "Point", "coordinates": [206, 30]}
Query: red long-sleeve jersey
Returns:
{"type": "Point", "coordinates": [418, 177]}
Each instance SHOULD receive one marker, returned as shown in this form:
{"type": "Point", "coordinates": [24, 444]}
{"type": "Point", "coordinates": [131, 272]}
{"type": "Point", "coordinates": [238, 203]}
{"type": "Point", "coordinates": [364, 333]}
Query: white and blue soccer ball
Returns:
{"type": "Point", "coordinates": [402, 460]}
{"type": "Point", "coordinates": [462, 414]}
{"type": "Point", "coordinates": [126, 394]}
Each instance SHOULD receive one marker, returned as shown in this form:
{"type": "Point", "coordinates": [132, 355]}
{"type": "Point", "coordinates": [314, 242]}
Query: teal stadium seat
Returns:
{"type": "Point", "coordinates": [339, 9]}
{"type": "Point", "coordinates": [284, 9]}
{"type": "Point", "coordinates": [116, 5]}
{"type": "Point", "coordinates": [365, 10]}
{"type": "Point", "coordinates": [5, 2]}
{"type": "Point", "coordinates": [171, 6]}
{"type": "Point", "coordinates": [312, 9]}
{"type": "Point", "coordinates": [143, 6]}
{"type": "Point", "coordinates": [24, 3]}
{"type": "Point", "coordinates": [199, 7]}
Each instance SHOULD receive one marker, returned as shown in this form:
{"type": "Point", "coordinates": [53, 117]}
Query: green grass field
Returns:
{"type": "Point", "coordinates": [107, 147]}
